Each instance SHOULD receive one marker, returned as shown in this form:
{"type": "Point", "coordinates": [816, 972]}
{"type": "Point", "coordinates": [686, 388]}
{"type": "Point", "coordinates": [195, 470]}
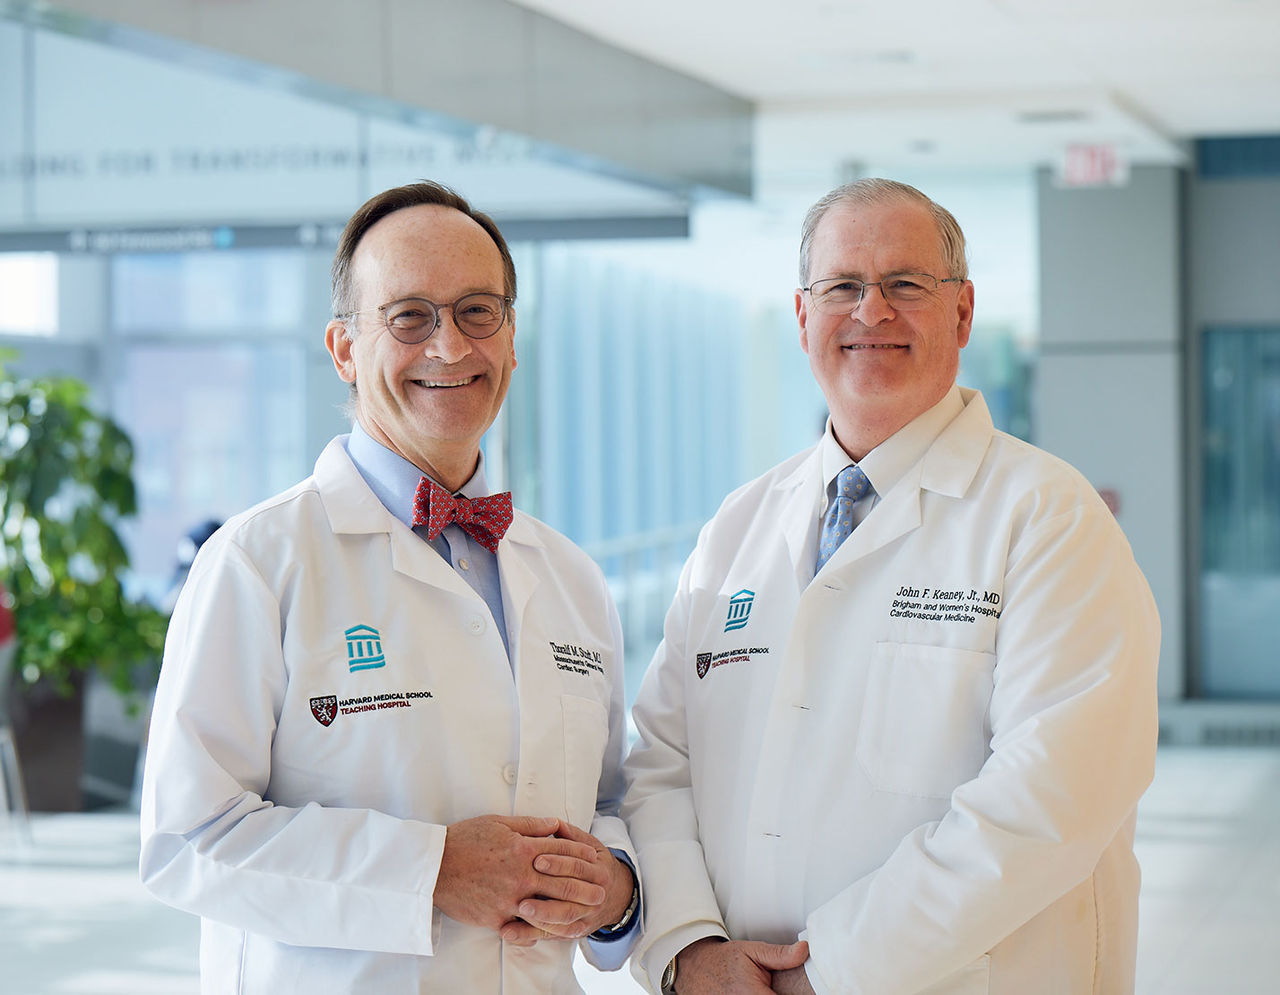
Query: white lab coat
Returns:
{"type": "Point", "coordinates": [311, 850]}
{"type": "Point", "coordinates": [941, 804]}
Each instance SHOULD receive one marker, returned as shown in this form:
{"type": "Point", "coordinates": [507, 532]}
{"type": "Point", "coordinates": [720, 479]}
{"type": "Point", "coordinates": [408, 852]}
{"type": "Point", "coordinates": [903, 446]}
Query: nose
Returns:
{"type": "Point", "coordinates": [447, 343]}
{"type": "Point", "coordinates": [874, 306]}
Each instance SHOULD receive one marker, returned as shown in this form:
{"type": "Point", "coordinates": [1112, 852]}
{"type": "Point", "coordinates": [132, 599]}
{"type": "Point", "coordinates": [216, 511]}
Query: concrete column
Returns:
{"type": "Point", "coordinates": [1109, 387]}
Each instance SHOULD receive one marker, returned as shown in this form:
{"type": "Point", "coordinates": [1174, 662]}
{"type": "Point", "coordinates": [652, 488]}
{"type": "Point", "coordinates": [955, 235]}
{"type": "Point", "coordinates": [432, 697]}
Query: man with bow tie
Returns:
{"type": "Point", "coordinates": [387, 736]}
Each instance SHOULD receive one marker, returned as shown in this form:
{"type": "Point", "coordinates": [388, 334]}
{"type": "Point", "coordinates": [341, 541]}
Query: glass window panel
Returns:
{"type": "Point", "coordinates": [250, 291]}
{"type": "Point", "coordinates": [623, 420]}
{"type": "Point", "coordinates": [1240, 554]}
{"type": "Point", "coordinates": [28, 293]}
{"type": "Point", "coordinates": [216, 429]}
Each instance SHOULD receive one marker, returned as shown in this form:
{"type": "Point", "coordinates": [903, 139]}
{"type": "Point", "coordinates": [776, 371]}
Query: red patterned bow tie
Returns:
{"type": "Point", "coordinates": [485, 519]}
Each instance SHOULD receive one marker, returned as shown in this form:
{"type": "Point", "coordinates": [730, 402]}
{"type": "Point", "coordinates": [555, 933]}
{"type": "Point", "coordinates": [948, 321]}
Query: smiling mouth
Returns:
{"type": "Point", "coordinates": [873, 345]}
{"type": "Point", "coordinates": [447, 383]}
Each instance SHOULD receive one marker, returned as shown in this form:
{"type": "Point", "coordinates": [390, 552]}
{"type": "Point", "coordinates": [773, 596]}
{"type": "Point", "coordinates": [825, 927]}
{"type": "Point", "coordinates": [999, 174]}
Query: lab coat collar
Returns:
{"type": "Point", "coordinates": [353, 509]}
{"type": "Point", "coordinates": [948, 467]}
{"type": "Point", "coordinates": [951, 464]}
{"type": "Point", "coordinates": [351, 505]}
{"type": "Point", "coordinates": [893, 459]}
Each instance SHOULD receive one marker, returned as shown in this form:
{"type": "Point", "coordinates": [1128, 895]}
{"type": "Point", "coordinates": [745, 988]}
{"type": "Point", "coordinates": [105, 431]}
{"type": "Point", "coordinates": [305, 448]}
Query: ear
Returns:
{"type": "Point", "coordinates": [964, 314]}
{"type": "Point", "coordinates": [340, 345]}
{"type": "Point", "coordinates": [802, 319]}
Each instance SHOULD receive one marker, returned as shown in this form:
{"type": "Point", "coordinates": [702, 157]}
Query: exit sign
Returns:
{"type": "Point", "coordinates": [1092, 166]}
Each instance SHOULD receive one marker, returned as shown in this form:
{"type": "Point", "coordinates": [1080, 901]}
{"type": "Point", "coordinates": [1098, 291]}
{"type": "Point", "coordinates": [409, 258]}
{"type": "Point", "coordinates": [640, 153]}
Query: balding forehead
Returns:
{"type": "Point", "coordinates": [427, 224]}
{"type": "Point", "coordinates": [899, 232]}
{"type": "Point", "coordinates": [415, 243]}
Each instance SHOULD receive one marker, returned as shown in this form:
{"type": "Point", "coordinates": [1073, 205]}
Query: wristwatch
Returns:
{"type": "Point", "coordinates": [668, 984]}
{"type": "Point", "coordinates": [608, 932]}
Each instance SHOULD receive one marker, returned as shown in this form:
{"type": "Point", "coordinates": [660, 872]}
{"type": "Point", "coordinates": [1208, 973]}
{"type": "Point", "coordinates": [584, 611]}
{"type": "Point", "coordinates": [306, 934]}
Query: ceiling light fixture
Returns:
{"type": "Point", "coordinates": [1059, 116]}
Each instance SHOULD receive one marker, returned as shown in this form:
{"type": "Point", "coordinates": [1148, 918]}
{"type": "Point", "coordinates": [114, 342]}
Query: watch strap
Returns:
{"type": "Point", "coordinates": [668, 983]}
{"type": "Point", "coordinates": [606, 932]}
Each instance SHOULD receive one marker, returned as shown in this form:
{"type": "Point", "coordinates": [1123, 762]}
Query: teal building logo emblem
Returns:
{"type": "Point", "coordinates": [739, 610]}
{"type": "Point", "coordinates": [364, 648]}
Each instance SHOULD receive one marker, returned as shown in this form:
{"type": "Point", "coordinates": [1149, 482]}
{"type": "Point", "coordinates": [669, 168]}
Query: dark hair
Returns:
{"type": "Point", "coordinates": [397, 199]}
{"type": "Point", "coordinates": [874, 190]}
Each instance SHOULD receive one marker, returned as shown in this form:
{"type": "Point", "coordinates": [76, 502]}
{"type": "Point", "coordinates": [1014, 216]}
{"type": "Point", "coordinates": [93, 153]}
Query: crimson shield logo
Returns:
{"type": "Point", "coordinates": [325, 708]}
{"type": "Point", "coordinates": [704, 664]}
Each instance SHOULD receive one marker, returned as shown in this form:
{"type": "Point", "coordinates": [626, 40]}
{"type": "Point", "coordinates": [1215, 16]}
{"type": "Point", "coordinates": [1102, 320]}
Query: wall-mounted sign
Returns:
{"type": "Point", "coordinates": [1092, 166]}
{"type": "Point", "coordinates": [100, 138]}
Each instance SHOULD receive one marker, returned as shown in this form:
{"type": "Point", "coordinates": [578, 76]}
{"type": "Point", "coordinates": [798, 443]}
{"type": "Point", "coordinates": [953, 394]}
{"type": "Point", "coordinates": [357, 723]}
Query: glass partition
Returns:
{"type": "Point", "coordinates": [1240, 546]}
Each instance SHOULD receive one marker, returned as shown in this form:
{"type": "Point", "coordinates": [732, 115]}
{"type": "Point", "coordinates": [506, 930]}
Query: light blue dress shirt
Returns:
{"type": "Point", "coordinates": [394, 480]}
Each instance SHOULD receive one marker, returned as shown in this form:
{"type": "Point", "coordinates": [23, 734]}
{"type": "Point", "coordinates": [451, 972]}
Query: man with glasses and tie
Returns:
{"type": "Point", "coordinates": [386, 746]}
{"type": "Point", "coordinates": [904, 707]}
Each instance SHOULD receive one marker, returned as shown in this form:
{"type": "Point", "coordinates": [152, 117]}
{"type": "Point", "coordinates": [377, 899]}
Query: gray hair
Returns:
{"type": "Point", "coordinates": [874, 191]}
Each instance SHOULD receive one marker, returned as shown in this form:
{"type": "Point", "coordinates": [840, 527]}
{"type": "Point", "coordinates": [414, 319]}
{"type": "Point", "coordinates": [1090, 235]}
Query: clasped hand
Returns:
{"type": "Point", "coordinates": [530, 878]}
{"type": "Point", "coordinates": [711, 966]}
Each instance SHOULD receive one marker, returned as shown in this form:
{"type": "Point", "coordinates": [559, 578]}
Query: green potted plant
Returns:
{"type": "Point", "coordinates": [65, 484]}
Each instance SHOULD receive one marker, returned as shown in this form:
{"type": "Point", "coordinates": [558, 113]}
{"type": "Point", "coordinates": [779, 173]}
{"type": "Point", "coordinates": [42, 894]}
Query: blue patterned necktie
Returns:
{"type": "Point", "coordinates": [851, 486]}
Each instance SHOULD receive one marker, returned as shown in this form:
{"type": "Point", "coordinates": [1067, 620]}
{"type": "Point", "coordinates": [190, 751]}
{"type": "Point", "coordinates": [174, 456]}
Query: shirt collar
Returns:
{"type": "Point", "coordinates": [888, 462]}
{"type": "Point", "coordinates": [393, 479]}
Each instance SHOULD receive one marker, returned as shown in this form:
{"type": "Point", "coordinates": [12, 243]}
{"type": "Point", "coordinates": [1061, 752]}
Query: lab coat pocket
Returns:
{"type": "Point", "coordinates": [586, 733]}
{"type": "Point", "coordinates": [924, 728]}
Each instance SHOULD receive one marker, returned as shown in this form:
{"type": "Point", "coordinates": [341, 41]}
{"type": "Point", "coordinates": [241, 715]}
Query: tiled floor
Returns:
{"type": "Point", "coordinates": [75, 921]}
{"type": "Point", "coordinates": [1209, 843]}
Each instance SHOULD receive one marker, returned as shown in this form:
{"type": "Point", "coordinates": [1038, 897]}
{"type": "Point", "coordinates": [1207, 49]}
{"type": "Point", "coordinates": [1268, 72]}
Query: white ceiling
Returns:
{"type": "Point", "coordinates": [959, 84]}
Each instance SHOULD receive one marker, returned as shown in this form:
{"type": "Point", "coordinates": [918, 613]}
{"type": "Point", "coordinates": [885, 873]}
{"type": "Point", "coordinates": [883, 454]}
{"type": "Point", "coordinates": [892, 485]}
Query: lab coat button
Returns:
{"type": "Point", "coordinates": [476, 625]}
{"type": "Point", "coordinates": [509, 773]}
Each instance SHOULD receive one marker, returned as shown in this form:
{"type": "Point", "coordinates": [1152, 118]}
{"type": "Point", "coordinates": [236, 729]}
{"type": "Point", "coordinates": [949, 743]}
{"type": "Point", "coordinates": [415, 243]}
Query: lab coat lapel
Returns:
{"type": "Point", "coordinates": [897, 513]}
{"type": "Point", "coordinates": [413, 557]}
{"type": "Point", "coordinates": [801, 492]}
{"type": "Point", "coordinates": [353, 509]}
{"type": "Point", "coordinates": [519, 579]}
{"type": "Point", "coordinates": [948, 467]}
